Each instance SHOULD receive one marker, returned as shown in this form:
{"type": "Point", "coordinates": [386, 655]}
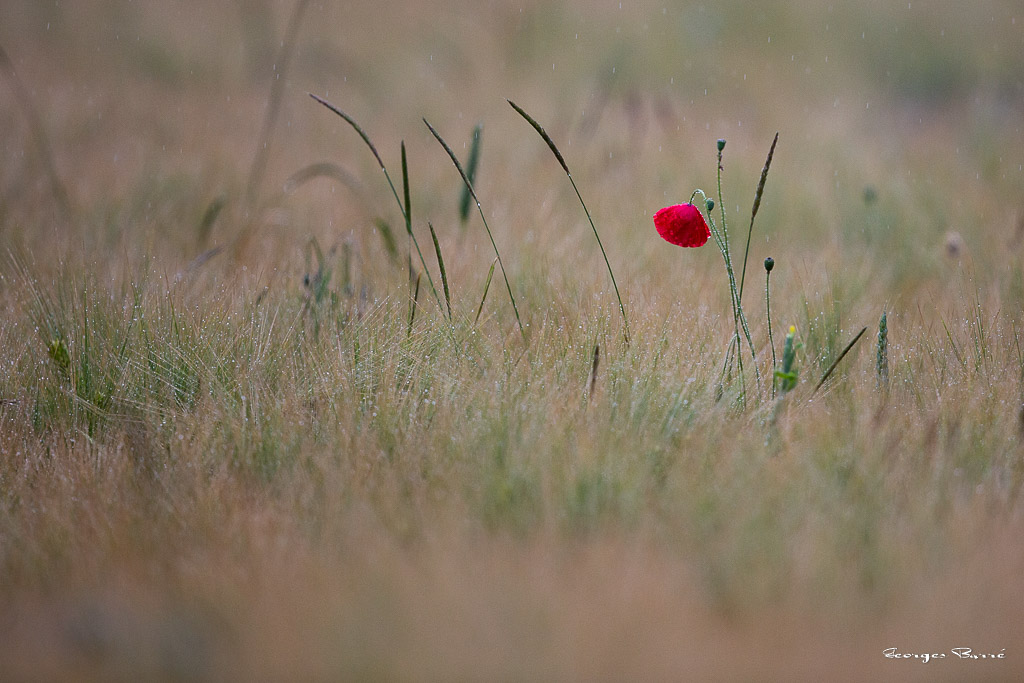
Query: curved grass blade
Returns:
{"type": "Point", "coordinates": [472, 192]}
{"type": "Point", "coordinates": [355, 126]}
{"type": "Point", "coordinates": [440, 265]}
{"type": "Point", "coordinates": [558, 155]}
{"type": "Point", "coordinates": [322, 169]}
{"type": "Point", "coordinates": [387, 238]}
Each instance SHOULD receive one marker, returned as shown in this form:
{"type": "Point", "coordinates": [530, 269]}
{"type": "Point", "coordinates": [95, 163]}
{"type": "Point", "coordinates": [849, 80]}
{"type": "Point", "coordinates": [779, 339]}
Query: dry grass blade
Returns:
{"type": "Point", "coordinates": [259, 163]}
{"type": "Point", "coordinates": [483, 218]}
{"type": "Point", "coordinates": [440, 265]}
{"type": "Point", "coordinates": [753, 212]}
{"type": "Point", "coordinates": [835, 363]}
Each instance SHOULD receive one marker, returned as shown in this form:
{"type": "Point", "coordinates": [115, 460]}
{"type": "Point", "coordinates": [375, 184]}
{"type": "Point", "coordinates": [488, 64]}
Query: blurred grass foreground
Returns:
{"type": "Point", "coordinates": [244, 437]}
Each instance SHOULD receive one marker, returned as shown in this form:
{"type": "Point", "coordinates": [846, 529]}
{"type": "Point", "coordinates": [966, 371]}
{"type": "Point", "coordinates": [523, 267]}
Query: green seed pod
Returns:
{"type": "Point", "coordinates": [710, 203]}
{"type": "Point", "coordinates": [769, 263]}
{"type": "Point", "coordinates": [721, 144]}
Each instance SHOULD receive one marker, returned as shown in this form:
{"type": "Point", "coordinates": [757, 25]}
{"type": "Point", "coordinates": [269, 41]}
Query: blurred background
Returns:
{"type": "Point", "coordinates": [900, 123]}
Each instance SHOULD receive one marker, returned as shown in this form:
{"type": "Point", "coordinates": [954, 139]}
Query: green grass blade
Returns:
{"type": "Point", "coordinates": [387, 238]}
{"type": "Point", "coordinates": [544, 135]}
{"type": "Point", "coordinates": [487, 286]}
{"type": "Point", "coordinates": [471, 166]}
{"type": "Point", "coordinates": [322, 169]}
{"type": "Point", "coordinates": [408, 207]}
{"type": "Point", "coordinates": [355, 126]}
{"type": "Point", "coordinates": [835, 363]}
{"type": "Point", "coordinates": [412, 304]}
{"type": "Point", "coordinates": [440, 264]}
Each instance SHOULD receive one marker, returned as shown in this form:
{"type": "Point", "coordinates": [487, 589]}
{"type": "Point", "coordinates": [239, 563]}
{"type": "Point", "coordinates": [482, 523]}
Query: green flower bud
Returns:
{"type": "Point", "coordinates": [710, 204]}
{"type": "Point", "coordinates": [721, 144]}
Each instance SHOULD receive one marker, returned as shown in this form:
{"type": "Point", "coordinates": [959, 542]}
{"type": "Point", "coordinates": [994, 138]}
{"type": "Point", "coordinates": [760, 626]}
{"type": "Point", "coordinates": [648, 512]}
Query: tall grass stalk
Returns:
{"type": "Point", "coordinates": [753, 212]}
{"type": "Point", "coordinates": [497, 254]}
{"type": "Point", "coordinates": [561, 160]}
{"type": "Point", "coordinates": [387, 176]}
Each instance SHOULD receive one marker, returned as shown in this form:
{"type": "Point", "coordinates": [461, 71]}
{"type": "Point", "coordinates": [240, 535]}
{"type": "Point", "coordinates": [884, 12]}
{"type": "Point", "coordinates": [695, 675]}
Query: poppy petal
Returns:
{"type": "Point", "coordinates": [682, 225]}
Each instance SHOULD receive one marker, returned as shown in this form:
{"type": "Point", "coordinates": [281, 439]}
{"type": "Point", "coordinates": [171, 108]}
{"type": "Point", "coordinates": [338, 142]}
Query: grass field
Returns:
{"type": "Point", "coordinates": [229, 452]}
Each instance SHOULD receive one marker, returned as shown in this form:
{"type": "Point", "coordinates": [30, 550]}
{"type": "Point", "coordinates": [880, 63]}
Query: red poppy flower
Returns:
{"type": "Point", "coordinates": [682, 225]}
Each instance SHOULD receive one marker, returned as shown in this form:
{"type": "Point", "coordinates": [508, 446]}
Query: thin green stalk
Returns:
{"type": "Point", "coordinates": [769, 263]}
{"type": "Point", "coordinates": [561, 160]}
{"type": "Point", "coordinates": [753, 212]}
{"type": "Point", "coordinates": [479, 209]}
{"type": "Point", "coordinates": [487, 286]}
{"type": "Point", "coordinates": [394, 191]}
{"type": "Point", "coordinates": [831, 368]}
{"type": "Point", "coordinates": [739, 318]}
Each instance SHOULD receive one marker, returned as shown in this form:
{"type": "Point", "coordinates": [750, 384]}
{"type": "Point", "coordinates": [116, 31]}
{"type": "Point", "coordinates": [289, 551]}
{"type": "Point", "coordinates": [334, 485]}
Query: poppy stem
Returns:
{"type": "Point", "coordinates": [739, 318]}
